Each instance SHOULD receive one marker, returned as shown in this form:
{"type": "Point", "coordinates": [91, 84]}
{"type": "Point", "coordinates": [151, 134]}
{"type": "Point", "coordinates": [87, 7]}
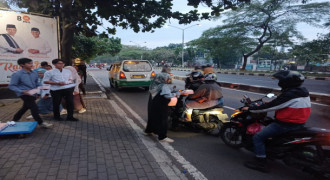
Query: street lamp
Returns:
{"type": "Point", "coordinates": [183, 38]}
{"type": "Point", "coordinates": [138, 45]}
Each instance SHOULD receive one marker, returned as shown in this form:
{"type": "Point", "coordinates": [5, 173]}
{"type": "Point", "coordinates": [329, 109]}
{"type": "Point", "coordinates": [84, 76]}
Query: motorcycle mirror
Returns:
{"type": "Point", "coordinates": [270, 95]}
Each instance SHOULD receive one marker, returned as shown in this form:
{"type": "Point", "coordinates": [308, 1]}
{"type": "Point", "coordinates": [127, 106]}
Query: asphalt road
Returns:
{"type": "Point", "coordinates": [317, 86]}
{"type": "Point", "coordinates": [209, 154]}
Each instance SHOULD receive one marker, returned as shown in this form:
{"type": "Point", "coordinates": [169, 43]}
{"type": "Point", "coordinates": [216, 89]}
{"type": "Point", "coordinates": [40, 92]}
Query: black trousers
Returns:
{"type": "Point", "coordinates": [57, 96]}
{"type": "Point", "coordinates": [29, 102]}
{"type": "Point", "coordinates": [85, 76]}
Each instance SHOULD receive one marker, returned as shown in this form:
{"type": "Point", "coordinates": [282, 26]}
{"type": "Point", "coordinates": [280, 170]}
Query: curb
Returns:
{"type": "Point", "coordinates": [316, 97]}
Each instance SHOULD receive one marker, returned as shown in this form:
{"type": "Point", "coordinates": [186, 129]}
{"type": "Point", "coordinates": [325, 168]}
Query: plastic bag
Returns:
{"type": "Point", "coordinates": [173, 101]}
{"type": "Point", "coordinates": [254, 128]}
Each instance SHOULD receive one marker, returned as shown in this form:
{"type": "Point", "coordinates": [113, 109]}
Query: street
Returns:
{"type": "Point", "coordinates": [316, 86]}
{"type": "Point", "coordinates": [207, 153]}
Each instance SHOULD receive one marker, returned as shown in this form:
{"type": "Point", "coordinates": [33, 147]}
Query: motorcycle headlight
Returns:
{"type": "Point", "coordinates": [236, 113]}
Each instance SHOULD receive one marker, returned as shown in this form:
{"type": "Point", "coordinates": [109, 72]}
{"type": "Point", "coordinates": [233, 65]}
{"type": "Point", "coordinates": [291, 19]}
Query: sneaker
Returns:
{"type": "Point", "coordinates": [63, 112]}
{"type": "Point", "coordinates": [46, 125]}
{"type": "Point", "coordinates": [29, 117]}
{"type": "Point", "coordinates": [72, 119]}
{"type": "Point", "coordinates": [82, 110]}
{"type": "Point", "coordinates": [169, 140]}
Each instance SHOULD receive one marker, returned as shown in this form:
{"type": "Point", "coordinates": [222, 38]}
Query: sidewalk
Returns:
{"type": "Point", "coordinates": [101, 145]}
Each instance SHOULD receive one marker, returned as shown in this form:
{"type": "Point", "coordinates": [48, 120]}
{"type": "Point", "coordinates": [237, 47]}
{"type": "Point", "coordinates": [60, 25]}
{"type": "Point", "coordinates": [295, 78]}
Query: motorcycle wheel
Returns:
{"type": "Point", "coordinates": [231, 135]}
{"type": "Point", "coordinates": [216, 131]}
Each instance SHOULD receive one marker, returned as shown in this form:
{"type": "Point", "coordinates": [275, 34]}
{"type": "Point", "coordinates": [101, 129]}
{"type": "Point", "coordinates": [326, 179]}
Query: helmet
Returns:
{"type": "Point", "coordinates": [289, 79]}
{"type": "Point", "coordinates": [196, 75]}
{"type": "Point", "coordinates": [210, 77]}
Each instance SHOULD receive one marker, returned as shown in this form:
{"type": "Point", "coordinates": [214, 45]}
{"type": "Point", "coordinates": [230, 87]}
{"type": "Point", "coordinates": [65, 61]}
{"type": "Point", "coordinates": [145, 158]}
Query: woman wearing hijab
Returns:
{"type": "Point", "coordinates": [78, 101]}
{"type": "Point", "coordinates": [160, 95]}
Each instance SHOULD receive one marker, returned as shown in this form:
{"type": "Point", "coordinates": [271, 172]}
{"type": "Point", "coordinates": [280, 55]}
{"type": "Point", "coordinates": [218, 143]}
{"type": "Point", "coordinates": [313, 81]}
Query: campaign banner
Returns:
{"type": "Point", "coordinates": [25, 35]}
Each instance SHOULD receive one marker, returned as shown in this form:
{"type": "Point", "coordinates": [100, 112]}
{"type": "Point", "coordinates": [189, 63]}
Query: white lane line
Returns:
{"type": "Point", "coordinates": [175, 154]}
{"type": "Point", "coordinates": [165, 162]}
{"type": "Point", "coordinates": [171, 171]}
{"type": "Point", "coordinates": [229, 107]}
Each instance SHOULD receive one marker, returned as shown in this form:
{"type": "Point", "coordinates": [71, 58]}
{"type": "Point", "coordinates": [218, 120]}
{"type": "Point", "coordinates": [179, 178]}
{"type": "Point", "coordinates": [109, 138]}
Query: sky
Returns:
{"type": "Point", "coordinates": [166, 35]}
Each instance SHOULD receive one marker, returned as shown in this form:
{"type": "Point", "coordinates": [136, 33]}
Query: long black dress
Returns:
{"type": "Point", "coordinates": [157, 116]}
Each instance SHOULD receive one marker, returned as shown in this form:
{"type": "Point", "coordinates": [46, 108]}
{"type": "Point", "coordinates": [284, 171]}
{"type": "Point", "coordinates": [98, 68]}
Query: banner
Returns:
{"type": "Point", "coordinates": [25, 35]}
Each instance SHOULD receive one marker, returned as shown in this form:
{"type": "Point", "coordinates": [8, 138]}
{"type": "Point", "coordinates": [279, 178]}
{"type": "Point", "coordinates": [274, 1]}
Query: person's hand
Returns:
{"type": "Point", "coordinates": [75, 92]}
{"type": "Point", "coordinates": [46, 96]}
{"type": "Point", "coordinates": [25, 92]}
{"type": "Point", "coordinates": [19, 50]}
{"type": "Point", "coordinates": [61, 83]}
{"type": "Point", "coordinates": [33, 51]}
{"type": "Point", "coordinates": [245, 109]}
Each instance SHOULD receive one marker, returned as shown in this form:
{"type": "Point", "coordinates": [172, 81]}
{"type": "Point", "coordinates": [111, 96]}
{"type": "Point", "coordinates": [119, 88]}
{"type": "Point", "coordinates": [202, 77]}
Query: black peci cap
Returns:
{"type": "Point", "coordinates": [11, 26]}
{"type": "Point", "coordinates": [35, 29]}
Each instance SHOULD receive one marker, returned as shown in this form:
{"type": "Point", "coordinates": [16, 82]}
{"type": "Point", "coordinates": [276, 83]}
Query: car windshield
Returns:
{"type": "Point", "coordinates": [137, 66]}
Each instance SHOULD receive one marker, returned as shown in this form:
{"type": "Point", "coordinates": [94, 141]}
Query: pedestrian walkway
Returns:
{"type": "Point", "coordinates": [101, 145]}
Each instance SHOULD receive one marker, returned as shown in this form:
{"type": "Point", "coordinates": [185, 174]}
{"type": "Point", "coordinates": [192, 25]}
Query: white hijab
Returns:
{"type": "Point", "coordinates": [75, 77]}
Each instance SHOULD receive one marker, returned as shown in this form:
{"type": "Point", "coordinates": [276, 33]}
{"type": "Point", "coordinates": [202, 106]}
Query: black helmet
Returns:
{"type": "Point", "coordinates": [289, 79]}
{"type": "Point", "coordinates": [196, 75]}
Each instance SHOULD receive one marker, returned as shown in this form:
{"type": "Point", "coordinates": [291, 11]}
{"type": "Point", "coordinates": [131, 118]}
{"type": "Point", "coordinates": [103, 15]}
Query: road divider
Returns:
{"type": "Point", "coordinates": [315, 97]}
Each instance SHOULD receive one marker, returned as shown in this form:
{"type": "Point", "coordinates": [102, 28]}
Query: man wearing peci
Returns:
{"type": "Point", "coordinates": [10, 42]}
{"type": "Point", "coordinates": [37, 45]}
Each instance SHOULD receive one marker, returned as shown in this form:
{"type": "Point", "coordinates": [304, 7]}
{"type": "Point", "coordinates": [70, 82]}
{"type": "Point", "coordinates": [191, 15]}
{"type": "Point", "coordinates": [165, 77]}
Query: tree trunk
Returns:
{"type": "Point", "coordinates": [244, 62]}
{"type": "Point", "coordinates": [68, 32]}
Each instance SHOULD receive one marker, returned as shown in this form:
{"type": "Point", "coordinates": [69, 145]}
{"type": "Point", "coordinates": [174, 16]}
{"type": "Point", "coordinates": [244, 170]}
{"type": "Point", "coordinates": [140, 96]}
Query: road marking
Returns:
{"type": "Point", "coordinates": [175, 154]}
{"type": "Point", "coordinates": [165, 162]}
{"type": "Point", "coordinates": [171, 171]}
{"type": "Point", "coordinates": [229, 107]}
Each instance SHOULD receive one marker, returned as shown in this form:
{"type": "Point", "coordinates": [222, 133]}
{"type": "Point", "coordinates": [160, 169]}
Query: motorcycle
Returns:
{"type": "Point", "coordinates": [209, 120]}
{"type": "Point", "coordinates": [307, 148]}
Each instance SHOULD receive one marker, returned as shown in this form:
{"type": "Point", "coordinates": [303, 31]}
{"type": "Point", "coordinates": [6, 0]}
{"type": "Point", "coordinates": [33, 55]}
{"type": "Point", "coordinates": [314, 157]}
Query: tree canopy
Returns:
{"type": "Point", "coordinates": [85, 16]}
{"type": "Point", "coordinates": [249, 28]}
{"type": "Point", "coordinates": [88, 48]}
{"type": "Point", "coordinates": [315, 51]}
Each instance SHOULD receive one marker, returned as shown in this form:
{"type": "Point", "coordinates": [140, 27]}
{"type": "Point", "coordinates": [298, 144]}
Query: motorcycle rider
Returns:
{"type": "Point", "coordinates": [208, 68]}
{"type": "Point", "coordinates": [195, 80]}
{"type": "Point", "coordinates": [207, 95]}
{"type": "Point", "coordinates": [292, 109]}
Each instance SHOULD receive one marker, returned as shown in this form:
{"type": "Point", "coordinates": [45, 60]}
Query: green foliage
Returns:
{"type": "Point", "coordinates": [247, 29]}
{"type": "Point", "coordinates": [87, 48]}
{"type": "Point", "coordinates": [85, 16]}
{"type": "Point", "coordinates": [315, 51]}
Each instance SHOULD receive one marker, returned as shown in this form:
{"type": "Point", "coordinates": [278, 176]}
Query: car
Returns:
{"type": "Point", "coordinates": [131, 73]}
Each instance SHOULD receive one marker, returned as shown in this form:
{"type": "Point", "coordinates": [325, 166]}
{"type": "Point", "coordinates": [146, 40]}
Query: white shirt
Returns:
{"type": "Point", "coordinates": [39, 44]}
{"type": "Point", "coordinates": [56, 75]}
{"type": "Point", "coordinates": [5, 48]}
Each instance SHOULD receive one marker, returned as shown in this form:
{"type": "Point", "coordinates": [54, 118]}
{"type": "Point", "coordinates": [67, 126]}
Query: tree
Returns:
{"type": "Point", "coordinates": [315, 51]}
{"type": "Point", "coordinates": [225, 45]}
{"type": "Point", "coordinates": [85, 16]}
{"type": "Point", "coordinates": [87, 48]}
{"type": "Point", "coordinates": [261, 20]}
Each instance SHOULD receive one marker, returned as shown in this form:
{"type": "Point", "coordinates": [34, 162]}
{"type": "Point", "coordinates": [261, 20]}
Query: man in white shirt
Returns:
{"type": "Point", "coordinates": [10, 42]}
{"type": "Point", "coordinates": [62, 85]}
{"type": "Point", "coordinates": [37, 45]}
